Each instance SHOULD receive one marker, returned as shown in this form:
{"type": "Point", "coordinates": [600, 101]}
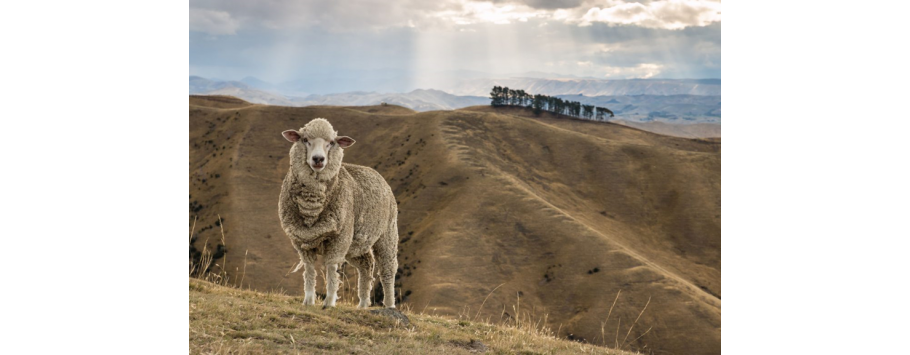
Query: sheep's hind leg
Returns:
{"type": "Point", "coordinates": [364, 265]}
{"type": "Point", "coordinates": [331, 285]}
{"type": "Point", "coordinates": [388, 265]}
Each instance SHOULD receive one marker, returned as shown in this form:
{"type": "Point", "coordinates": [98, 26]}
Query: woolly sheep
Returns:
{"type": "Point", "coordinates": [338, 210]}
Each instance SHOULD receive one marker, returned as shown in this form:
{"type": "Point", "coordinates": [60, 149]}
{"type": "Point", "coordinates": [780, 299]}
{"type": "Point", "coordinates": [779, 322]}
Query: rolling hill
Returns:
{"type": "Point", "coordinates": [502, 214]}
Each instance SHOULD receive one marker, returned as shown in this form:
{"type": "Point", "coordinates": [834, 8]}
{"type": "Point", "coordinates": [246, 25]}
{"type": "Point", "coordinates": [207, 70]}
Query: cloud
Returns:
{"type": "Point", "coordinates": [212, 22]}
{"type": "Point", "coordinates": [545, 4]}
{"type": "Point", "coordinates": [228, 16]}
{"type": "Point", "coordinates": [661, 14]}
{"type": "Point", "coordinates": [693, 52]}
{"type": "Point", "coordinates": [283, 40]}
{"type": "Point", "coordinates": [336, 16]}
{"type": "Point", "coordinates": [669, 14]}
{"type": "Point", "coordinates": [473, 12]}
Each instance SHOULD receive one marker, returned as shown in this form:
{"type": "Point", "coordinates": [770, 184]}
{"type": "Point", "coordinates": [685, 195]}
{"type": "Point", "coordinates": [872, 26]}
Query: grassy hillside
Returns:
{"type": "Point", "coordinates": [557, 215]}
{"type": "Point", "coordinates": [226, 320]}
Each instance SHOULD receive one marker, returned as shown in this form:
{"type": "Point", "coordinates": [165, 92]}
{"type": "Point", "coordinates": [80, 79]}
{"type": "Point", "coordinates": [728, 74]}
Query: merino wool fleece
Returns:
{"type": "Point", "coordinates": [343, 211]}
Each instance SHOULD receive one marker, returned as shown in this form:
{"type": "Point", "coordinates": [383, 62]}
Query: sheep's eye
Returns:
{"type": "Point", "coordinates": [332, 143]}
{"type": "Point", "coordinates": [305, 140]}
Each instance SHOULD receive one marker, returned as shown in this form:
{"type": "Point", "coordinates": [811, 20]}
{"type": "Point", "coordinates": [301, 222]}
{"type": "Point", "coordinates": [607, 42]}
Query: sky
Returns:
{"type": "Point", "coordinates": [279, 41]}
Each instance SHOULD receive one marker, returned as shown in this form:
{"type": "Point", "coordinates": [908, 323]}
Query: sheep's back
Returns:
{"type": "Point", "coordinates": [374, 205]}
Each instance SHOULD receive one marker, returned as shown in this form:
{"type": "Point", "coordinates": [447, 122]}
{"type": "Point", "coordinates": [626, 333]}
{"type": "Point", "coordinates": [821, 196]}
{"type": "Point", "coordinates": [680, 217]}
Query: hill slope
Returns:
{"type": "Point", "coordinates": [562, 213]}
{"type": "Point", "coordinates": [229, 320]}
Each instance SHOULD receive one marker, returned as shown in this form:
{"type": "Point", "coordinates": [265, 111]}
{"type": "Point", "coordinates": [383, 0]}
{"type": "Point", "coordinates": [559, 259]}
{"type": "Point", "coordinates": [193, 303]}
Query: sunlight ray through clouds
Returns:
{"type": "Point", "coordinates": [285, 40]}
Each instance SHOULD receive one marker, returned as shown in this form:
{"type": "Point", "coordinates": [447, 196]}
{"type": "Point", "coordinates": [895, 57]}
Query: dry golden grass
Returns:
{"type": "Point", "coordinates": [225, 320]}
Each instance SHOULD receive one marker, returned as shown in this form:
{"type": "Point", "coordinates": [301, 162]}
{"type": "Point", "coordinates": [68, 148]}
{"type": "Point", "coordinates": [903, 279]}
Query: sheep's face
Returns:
{"type": "Point", "coordinates": [317, 147]}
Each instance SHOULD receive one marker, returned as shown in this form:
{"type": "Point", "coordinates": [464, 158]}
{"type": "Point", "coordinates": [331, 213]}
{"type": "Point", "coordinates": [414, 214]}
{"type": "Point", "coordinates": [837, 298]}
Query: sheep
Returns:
{"type": "Point", "coordinates": [338, 210]}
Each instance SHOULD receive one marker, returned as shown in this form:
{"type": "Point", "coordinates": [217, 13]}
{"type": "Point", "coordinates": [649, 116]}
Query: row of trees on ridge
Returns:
{"type": "Point", "coordinates": [503, 96]}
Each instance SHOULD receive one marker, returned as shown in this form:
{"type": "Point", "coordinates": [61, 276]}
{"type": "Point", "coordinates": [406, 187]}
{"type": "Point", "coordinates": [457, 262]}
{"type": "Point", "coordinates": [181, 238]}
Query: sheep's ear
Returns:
{"type": "Point", "coordinates": [291, 135]}
{"type": "Point", "coordinates": [344, 141]}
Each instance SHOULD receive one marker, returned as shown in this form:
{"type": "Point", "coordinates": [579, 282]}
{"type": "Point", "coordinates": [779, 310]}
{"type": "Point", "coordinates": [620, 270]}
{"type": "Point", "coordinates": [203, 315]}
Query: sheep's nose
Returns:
{"type": "Point", "coordinates": [318, 160]}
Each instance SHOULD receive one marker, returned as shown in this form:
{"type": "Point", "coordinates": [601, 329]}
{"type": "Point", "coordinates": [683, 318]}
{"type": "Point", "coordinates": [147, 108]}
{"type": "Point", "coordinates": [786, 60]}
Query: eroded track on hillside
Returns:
{"type": "Point", "coordinates": [453, 135]}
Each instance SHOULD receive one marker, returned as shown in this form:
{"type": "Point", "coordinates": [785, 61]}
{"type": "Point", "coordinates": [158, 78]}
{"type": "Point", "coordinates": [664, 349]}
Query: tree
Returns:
{"type": "Point", "coordinates": [537, 104]}
{"type": "Point", "coordinates": [503, 96]}
{"type": "Point", "coordinates": [496, 96]}
{"type": "Point", "coordinates": [602, 113]}
{"type": "Point", "coordinates": [588, 111]}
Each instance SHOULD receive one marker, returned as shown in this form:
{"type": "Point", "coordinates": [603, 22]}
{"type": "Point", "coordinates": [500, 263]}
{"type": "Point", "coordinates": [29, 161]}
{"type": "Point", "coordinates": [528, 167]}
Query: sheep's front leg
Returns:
{"type": "Point", "coordinates": [331, 285]}
{"type": "Point", "coordinates": [308, 258]}
{"type": "Point", "coordinates": [309, 284]}
{"type": "Point", "coordinates": [335, 250]}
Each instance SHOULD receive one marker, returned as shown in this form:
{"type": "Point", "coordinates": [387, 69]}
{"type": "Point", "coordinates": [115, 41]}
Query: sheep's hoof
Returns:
{"type": "Point", "coordinates": [309, 300]}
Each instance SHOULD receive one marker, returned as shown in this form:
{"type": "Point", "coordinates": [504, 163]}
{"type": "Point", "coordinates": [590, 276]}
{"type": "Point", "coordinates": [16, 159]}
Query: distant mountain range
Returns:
{"type": "Point", "coordinates": [663, 108]}
{"type": "Point", "coordinates": [471, 83]}
{"type": "Point", "coordinates": [418, 100]}
{"type": "Point", "coordinates": [589, 87]}
{"type": "Point", "coordinates": [203, 86]}
{"type": "Point", "coordinates": [662, 100]}
{"type": "Point", "coordinates": [457, 82]}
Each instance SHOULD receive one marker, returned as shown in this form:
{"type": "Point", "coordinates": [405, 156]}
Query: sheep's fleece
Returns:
{"type": "Point", "coordinates": [343, 212]}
